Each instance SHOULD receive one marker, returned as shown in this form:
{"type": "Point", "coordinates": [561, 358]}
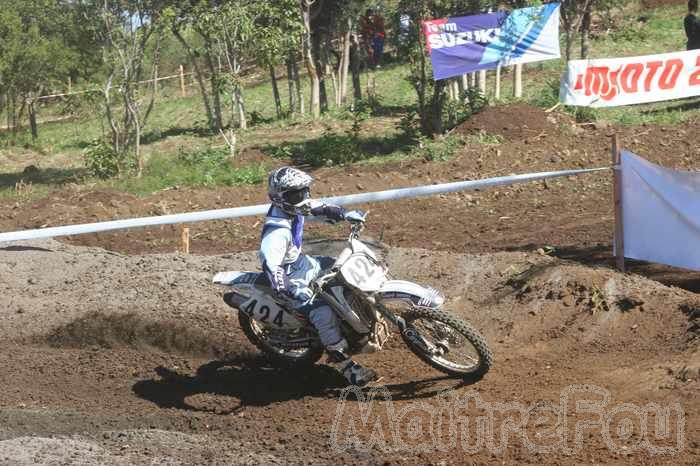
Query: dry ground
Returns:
{"type": "Point", "coordinates": [118, 358]}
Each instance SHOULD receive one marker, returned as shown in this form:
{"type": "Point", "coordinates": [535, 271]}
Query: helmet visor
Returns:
{"type": "Point", "coordinates": [296, 196]}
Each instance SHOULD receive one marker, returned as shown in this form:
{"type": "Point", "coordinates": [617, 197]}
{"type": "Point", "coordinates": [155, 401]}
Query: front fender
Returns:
{"type": "Point", "coordinates": [401, 290]}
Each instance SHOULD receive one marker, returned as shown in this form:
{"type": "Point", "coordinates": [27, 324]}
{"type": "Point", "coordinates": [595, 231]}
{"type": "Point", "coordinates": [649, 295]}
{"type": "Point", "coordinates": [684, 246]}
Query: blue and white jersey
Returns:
{"type": "Point", "coordinates": [288, 269]}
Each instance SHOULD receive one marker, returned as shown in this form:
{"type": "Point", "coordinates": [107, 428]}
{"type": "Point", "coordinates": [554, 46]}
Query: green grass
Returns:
{"type": "Point", "coordinates": [177, 126]}
{"type": "Point", "coordinates": [203, 167]}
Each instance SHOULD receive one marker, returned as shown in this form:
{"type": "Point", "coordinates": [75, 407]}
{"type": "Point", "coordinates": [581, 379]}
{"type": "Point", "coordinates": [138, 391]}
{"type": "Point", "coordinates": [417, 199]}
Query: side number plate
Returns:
{"type": "Point", "coordinates": [265, 310]}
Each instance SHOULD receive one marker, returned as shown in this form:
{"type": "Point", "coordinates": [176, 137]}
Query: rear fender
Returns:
{"type": "Point", "coordinates": [233, 278]}
{"type": "Point", "coordinates": [411, 293]}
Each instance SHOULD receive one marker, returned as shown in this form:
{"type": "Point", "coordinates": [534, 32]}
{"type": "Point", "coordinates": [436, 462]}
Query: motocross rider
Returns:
{"type": "Point", "coordinates": [290, 272]}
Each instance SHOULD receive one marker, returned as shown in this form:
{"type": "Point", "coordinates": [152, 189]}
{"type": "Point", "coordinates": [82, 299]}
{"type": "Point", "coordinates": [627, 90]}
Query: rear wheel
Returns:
{"type": "Point", "coordinates": [447, 343]}
{"type": "Point", "coordinates": [299, 355]}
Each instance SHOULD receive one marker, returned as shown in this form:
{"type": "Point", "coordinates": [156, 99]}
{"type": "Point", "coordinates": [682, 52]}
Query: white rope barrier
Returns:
{"type": "Point", "coordinates": [220, 214]}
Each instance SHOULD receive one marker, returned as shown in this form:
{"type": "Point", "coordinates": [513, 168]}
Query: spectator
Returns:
{"type": "Point", "coordinates": [692, 26]}
{"type": "Point", "coordinates": [404, 29]}
{"type": "Point", "coordinates": [367, 34]}
{"type": "Point", "coordinates": [378, 34]}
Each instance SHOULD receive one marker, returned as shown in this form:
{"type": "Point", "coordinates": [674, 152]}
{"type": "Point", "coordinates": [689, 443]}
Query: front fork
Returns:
{"type": "Point", "coordinates": [407, 330]}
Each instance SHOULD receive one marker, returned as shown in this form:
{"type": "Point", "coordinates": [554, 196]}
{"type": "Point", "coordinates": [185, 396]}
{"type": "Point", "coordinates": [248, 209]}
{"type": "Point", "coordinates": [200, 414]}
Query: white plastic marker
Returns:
{"type": "Point", "coordinates": [235, 212]}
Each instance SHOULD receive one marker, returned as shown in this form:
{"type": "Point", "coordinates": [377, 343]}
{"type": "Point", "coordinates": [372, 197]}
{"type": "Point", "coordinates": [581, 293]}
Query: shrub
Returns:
{"type": "Point", "coordinates": [548, 95]}
{"type": "Point", "coordinates": [440, 149]}
{"type": "Point", "coordinates": [100, 160]}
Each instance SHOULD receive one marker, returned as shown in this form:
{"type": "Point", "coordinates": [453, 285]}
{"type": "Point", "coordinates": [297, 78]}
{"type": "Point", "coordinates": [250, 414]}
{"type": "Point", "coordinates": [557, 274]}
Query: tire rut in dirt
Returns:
{"type": "Point", "coordinates": [132, 330]}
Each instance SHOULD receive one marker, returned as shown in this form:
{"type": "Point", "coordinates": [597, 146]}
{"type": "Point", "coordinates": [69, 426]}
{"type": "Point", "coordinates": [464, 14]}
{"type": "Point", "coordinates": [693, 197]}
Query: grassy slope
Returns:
{"type": "Point", "coordinates": [173, 126]}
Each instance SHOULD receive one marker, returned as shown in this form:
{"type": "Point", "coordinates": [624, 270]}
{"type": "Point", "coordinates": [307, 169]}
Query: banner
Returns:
{"type": "Point", "coordinates": [471, 43]}
{"type": "Point", "coordinates": [660, 213]}
{"type": "Point", "coordinates": [633, 80]}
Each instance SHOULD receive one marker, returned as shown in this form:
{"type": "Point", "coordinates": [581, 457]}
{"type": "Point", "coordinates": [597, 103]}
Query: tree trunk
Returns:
{"type": "Point", "coordinates": [310, 61]}
{"type": "Point", "coordinates": [321, 64]}
{"type": "Point", "coordinates": [345, 64]}
{"type": "Point", "coordinates": [437, 104]}
{"type": "Point", "coordinates": [586, 31]}
{"type": "Point", "coordinates": [198, 76]}
{"type": "Point", "coordinates": [276, 92]}
{"type": "Point", "coordinates": [566, 21]}
{"type": "Point", "coordinates": [355, 65]}
{"type": "Point", "coordinates": [215, 85]}
{"type": "Point", "coordinates": [32, 118]}
{"type": "Point", "coordinates": [300, 93]}
{"type": "Point", "coordinates": [243, 123]}
{"type": "Point", "coordinates": [13, 114]}
{"type": "Point", "coordinates": [290, 85]}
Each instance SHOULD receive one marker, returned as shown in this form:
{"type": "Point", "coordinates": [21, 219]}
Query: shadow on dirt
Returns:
{"type": "Point", "coordinates": [132, 330]}
{"type": "Point", "coordinates": [42, 176]}
{"type": "Point", "coordinates": [254, 382]}
{"type": "Point", "coordinates": [249, 379]}
{"type": "Point", "coordinates": [24, 248]}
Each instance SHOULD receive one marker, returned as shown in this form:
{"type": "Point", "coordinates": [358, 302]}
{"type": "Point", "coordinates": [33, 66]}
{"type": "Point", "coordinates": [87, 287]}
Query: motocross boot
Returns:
{"type": "Point", "coordinates": [353, 372]}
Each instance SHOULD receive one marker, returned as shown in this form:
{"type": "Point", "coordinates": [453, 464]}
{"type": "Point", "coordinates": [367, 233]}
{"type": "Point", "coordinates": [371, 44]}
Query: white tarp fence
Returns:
{"type": "Point", "coordinates": [633, 80]}
{"type": "Point", "coordinates": [661, 213]}
{"type": "Point", "coordinates": [221, 214]}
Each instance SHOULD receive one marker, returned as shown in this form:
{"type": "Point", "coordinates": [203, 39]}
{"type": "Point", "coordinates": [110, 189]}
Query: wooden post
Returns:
{"type": "Point", "coordinates": [155, 81]}
{"type": "Point", "coordinates": [454, 86]}
{"type": "Point", "coordinates": [518, 81]}
{"type": "Point", "coordinates": [185, 246]}
{"type": "Point", "coordinates": [619, 239]}
{"type": "Point", "coordinates": [482, 82]}
{"type": "Point", "coordinates": [497, 91]}
{"type": "Point", "coordinates": [182, 81]}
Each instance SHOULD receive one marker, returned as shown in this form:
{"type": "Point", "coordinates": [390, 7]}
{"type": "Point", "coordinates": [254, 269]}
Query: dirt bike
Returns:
{"type": "Point", "coordinates": [359, 289]}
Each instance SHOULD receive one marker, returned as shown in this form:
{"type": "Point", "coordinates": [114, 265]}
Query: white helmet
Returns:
{"type": "Point", "coordinates": [288, 188]}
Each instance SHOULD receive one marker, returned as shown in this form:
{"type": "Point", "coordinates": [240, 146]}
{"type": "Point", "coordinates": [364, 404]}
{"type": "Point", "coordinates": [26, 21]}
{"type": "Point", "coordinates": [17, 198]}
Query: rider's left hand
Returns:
{"type": "Point", "coordinates": [355, 216]}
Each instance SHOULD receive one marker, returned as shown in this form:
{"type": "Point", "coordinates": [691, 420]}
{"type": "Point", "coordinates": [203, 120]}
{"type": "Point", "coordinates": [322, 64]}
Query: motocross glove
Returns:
{"type": "Point", "coordinates": [355, 216]}
{"type": "Point", "coordinates": [331, 213]}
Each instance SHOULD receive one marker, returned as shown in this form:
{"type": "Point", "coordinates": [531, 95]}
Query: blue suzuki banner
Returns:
{"type": "Point", "coordinates": [471, 43]}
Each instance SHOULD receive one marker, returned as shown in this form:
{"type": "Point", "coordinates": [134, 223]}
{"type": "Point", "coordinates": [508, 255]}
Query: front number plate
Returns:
{"type": "Point", "coordinates": [362, 272]}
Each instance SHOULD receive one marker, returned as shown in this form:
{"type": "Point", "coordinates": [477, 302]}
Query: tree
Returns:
{"type": "Point", "coordinates": [431, 94]}
{"type": "Point", "coordinates": [34, 56]}
{"type": "Point", "coordinates": [307, 11]}
{"type": "Point", "coordinates": [577, 17]}
{"type": "Point", "coordinates": [127, 27]}
{"type": "Point", "coordinates": [278, 31]}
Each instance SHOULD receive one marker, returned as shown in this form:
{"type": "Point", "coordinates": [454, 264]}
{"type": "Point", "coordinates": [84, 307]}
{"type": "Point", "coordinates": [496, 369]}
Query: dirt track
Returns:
{"type": "Point", "coordinates": [134, 360]}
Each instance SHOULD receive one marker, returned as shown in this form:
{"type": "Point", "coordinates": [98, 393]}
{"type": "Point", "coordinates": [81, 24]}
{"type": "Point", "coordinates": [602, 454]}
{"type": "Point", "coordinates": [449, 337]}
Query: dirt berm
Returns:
{"type": "Point", "coordinates": [112, 359]}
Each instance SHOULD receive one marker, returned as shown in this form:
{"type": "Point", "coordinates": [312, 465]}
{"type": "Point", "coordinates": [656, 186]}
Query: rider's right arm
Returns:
{"type": "Point", "coordinates": [273, 250]}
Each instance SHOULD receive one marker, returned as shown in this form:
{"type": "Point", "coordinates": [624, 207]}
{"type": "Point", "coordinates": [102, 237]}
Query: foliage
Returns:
{"type": "Point", "coordinates": [631, 33]}
{"type": "Point", "coordinates": [329, 149]}
{"type": "Point", "coordinates": [484, 138]}
{"type": "Point", "coordinates": [440, 149]}
{"type": "Point", "coordinates": [100, 160]}
{"type": "Point", "coordinates": [36, 53]}
{"type": "Point", "coordinates": [548, 95]}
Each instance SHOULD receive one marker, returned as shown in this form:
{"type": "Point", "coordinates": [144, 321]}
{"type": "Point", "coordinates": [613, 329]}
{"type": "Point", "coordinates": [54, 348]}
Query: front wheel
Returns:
{"type": "Point", "coordinates": [447, 343]}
